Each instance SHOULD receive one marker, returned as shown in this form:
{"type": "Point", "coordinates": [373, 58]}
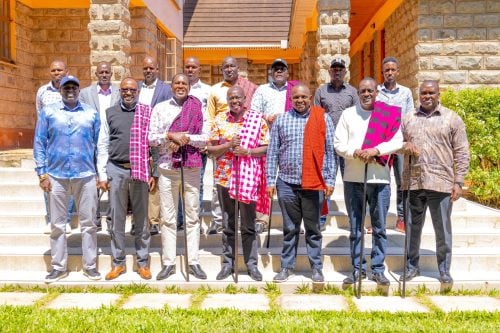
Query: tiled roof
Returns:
{"type": "Point", "coordinates": [236, 22]}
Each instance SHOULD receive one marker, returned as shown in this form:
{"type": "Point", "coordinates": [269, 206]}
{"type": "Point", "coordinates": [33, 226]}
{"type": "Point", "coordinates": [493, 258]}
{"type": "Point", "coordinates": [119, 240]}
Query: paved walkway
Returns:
{"type": "Point", "coordinates": [261, 302]}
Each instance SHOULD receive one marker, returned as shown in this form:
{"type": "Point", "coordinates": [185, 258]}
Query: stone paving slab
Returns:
{"type": "Point", "coordinates": [83, 300]}
{"type": "Point", "coordinates": [158, 301]}
{"type": "Point", "coordinates": [466, 303]}
{"type": "Point", "coordinates": [19, 298]}
{"type": "Point", "coordinates": [390, 304]}
{"type": "Point", "coordinates": [236, 301]}
{"type": "Point", "coordinates": [312, 302]}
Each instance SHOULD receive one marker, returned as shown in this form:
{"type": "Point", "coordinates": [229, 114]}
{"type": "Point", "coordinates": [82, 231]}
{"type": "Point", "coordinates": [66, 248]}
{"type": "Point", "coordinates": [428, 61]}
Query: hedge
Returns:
{"type": "Point", "coordinates": [480, 111]}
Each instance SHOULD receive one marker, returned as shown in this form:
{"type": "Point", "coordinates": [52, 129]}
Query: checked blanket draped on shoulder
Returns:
{"type": "Point", "coordinates": [384, 122]}
{"type": "Point", "coordinates": [288, 101]}
{"type": "Point", "coordinates": [139, 145]}
{"type": "Point", "coordinates": [250, 169]}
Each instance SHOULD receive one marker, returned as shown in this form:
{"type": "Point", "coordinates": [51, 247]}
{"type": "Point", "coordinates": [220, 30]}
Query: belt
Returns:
{"type": "Point", "coordinates": [122, 165]}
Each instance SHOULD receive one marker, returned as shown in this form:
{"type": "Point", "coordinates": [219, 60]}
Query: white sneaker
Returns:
{"type": "Point", "coordinates": [68, 228]}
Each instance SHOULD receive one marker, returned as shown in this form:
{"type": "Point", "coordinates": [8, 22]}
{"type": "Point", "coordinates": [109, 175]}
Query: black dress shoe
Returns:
{"type": "Point", "coordinates": [317, 275]}
{"type": "Point", "coordinates": [215, 228]}
{"type": "Point", "coordinates": [283, 275]}
{"type": "Point", "coordinates": [165, 272]}
{"type": "Point", "coordinates": [380, 279]}
{"type": "Point", "coordinates": [154, 229]}
{"type": "Point", "coordinates": [411, 273]}
{"type": "Point", "coordinates": [445, 277]}
{"type": "Point", "coordinates": [353, 278]}
{"type": "Point", "coordinates": [197, 272]}
{"type": "Point", "coordinates": [132, 230]}
{"type": "Point", "coordinates": [255, 274]}
{"type": "Point", "coordinates": [224, 273]}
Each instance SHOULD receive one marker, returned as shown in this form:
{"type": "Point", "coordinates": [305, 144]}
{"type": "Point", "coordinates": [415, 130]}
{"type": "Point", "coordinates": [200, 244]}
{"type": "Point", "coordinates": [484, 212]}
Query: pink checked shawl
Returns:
{"type": "Point", "coordinates": [251, 180]}
{"type": "Point", "coordinates": [383, 125]}
{"type": "Point", "coordinates": [139, 153]}
{"type": "Point", "coordinates": [288, 101]}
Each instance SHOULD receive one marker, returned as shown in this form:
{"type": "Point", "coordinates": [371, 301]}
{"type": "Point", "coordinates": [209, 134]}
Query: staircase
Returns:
{"type": "Point", "coordinates": [25, 250]}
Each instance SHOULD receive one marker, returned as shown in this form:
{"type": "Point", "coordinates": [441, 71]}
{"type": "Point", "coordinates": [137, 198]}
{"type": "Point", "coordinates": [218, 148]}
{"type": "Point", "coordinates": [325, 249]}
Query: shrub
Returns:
{"type": "Point", "coordinates": [480, 111]}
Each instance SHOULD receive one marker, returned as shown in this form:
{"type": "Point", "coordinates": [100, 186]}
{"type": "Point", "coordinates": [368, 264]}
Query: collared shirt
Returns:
{"type": "Point", "coordinates": [104, 98]}
{"type": "Point", "coordinates": [286, 148]}
{"type": "Point", "coordinates": [269, 99]}
{"type": "Point", "coordinates": [224, 128]}
{"type": "Point", "coordinates": [201, 91]}
{"type": "Point", "coordinates": [335, 101]}
{"type": "Point", "coordinates": [399, 96]}
{"type": "Point", "coordinates": [444, 149]}
{"type": "Point", "coordinates": [65, 141]}
{"type": "Point", "coordinates": [47, 94]}
{"type": "Point", "coordinates": [217, 100]}
{"type": "Point", "coordinates": [350, 134]}
{"type": "Point", "coordinates": [147, 92]}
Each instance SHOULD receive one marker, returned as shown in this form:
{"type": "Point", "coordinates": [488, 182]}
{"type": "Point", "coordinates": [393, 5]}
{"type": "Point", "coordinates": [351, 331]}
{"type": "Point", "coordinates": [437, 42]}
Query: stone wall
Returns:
{"type": "Point", "coordinates": [401, 39]}
{"type": "Point", "coordinates": [143, 39]}
{"type": "Point", "coordinates": [17, 89]}
{"type": "Point", "coordinates": [307, 66]}
{"type": "Point", "coordinates": [333, 36]}
{"type": "Point", "coordinates": [355, 69]}
{"type": "Point", "coordinates": [458, 42]}
{"type": "Point", "coordinates": [61, 34]}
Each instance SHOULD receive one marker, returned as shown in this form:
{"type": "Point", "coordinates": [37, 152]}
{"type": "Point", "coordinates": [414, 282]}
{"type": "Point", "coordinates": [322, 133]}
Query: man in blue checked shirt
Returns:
{"type": "Point", "coordinates": [299, 138]}
{"type": "Point", "coordinates": [64, 150]}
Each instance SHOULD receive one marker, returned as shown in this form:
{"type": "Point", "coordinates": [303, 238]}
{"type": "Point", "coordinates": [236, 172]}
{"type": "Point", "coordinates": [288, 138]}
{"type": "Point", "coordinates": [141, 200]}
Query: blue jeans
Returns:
{"type": "Point", "coordinates": [378, 197]}
{"type": "Point", "coordinates": [440, 206]}
{"type": "Point", "coordinates": [71, 208]}
{"type": "Point", "coordinates": [180, 217]}
{"type": "Point", "coordinates": [339, 162]}
{"type": "Point", "coordinates": [398, 175]}
{"type": "Point", "coordinates": [297, 205]}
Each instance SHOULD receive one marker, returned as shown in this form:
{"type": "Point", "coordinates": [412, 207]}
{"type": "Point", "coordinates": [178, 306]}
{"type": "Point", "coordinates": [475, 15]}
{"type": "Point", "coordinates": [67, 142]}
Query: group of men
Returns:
{"type": "Point", "coordinates": [147, 143]}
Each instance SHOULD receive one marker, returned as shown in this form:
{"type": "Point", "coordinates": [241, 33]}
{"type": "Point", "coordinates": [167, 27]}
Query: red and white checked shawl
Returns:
{"type": "Point", "coordinates": [139, 153]}
{"type": "Point", "coordinates": [251, 176]}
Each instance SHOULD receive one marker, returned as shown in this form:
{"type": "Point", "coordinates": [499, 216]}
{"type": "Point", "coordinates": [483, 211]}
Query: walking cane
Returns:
{"type": "Point", "coordinates": [406, 203]}
{"type": "Point", "coordinates": [269, 221]}
{"type": "Point", "coordinates": [183, 205]}
{"type": "Point", "coordinates": [236, 219]}
{"type": "Point", "coordinates": [361, 229]}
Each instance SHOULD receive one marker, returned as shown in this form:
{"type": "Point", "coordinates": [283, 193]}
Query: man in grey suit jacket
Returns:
{"type": "Point", "coordinates": [152, 91]}
{"type": "Point", "coordinates": [102, 95]}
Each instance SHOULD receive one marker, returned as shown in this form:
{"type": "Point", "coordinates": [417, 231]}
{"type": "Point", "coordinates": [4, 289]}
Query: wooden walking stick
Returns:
{"type": "Point", "coordinates": [236, 218]}
{"type": "Point", "coordinates": [183, 206]}
{"type": "Point", "coordinates": [361, 225]}
{"type": "Point", "coordinates": [406, 214]}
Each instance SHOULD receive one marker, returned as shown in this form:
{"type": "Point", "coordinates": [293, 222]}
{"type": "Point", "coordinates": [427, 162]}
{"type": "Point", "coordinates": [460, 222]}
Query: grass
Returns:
{"type": "Point", "coordinates": [106, 319]}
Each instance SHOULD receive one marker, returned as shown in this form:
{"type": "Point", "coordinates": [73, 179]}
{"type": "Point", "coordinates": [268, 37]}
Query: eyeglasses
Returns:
{"type": "Point", "coordinates": [126, 90]}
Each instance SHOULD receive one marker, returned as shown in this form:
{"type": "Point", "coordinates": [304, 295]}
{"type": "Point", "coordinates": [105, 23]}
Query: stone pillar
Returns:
{"type": "Point", "coordinates": [333, 36]}
{"type": "Point", "coordinates": [110, 33]}
{"type": "Point", "coordinates": [308, 72]}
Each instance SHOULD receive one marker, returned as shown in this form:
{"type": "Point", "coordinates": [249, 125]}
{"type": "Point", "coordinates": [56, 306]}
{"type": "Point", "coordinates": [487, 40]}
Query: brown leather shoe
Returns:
{"type": "Point", "coordinates": [116, 272]}
{"type": "Point", "coordinates": [144, 272]}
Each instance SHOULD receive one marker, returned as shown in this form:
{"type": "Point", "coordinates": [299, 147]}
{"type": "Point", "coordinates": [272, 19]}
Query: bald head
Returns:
{"type": "Point", "coordinates": [236, 99]}
{"type": "Point", "coordinates": [301, 98]}
{"type": "Point", "coordinates": [192, 69]}
{"type": "Point", "coordinates": [103, 72]}
{"type": "Point", "coordinates": [149, 69]}
{"type": "Point", "coordinates": [129, 92]}
{"type": "Point", "coordinates": [58, 70]}
{"type": "Point", "coordinates": [230, 70]}
{"type": "Point", "coordinates": [429, 96]}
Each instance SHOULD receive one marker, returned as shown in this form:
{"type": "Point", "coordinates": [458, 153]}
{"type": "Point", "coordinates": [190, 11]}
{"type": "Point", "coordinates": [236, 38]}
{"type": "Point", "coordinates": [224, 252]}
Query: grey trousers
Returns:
{"type": "Point", "coordinates": [121, 186]}
{"type": "Point", "coordinates": [440, 206]}
{"type": "Point", "coordinates": [85, 195]}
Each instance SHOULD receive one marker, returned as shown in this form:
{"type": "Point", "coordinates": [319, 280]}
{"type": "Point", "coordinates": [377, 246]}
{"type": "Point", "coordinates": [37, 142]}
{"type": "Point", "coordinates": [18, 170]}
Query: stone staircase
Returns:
{"type": "Point", "coordinates": [25, 250]}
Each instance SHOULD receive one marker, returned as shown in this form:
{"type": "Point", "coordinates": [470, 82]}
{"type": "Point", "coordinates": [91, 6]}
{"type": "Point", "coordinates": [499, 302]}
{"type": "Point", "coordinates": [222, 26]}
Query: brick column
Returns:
{"type": "Point", "coordinates": [110, 33]}
{"type": "Point", "coordinates": [333, 36]}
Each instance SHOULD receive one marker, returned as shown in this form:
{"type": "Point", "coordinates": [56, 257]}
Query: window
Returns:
{"type": "Point", "coordinates": [5, 34]}
{"type": "Point", "coordinates": [166, 55]}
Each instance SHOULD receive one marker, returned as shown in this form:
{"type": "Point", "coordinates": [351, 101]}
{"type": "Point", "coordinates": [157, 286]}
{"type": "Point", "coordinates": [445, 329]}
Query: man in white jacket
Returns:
{"type": "Point", "coordinates": [350, 137]}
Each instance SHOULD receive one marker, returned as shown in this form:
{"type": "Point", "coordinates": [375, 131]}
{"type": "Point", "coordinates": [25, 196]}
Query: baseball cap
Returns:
{"type": "Point", "coordinates": [338, 62]}
{"type": "Point", "coordinates": [279, 61]}
{"type": "Point", "coordinates": [70, 79]}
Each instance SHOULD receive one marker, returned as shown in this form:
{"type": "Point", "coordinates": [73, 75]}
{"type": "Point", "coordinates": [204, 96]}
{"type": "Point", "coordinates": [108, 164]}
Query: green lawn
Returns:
{"type": "Point", "coordinates": [31, 319]}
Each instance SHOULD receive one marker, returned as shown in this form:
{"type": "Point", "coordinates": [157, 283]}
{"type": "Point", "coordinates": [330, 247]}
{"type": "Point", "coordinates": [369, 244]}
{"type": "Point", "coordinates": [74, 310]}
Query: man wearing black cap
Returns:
{"type": "Point", "coordinates": [64, 150]}
{"type": "Point", "coordinates": [335, 97]}
{"type": "Point", "coordinates": [273, 99]}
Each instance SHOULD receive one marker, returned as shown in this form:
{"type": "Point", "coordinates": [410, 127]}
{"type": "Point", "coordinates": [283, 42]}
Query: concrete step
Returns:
{"type": "Point", "coordinates": [334, 259]}
{"type": "Point", "coordinates": [332, 237]}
